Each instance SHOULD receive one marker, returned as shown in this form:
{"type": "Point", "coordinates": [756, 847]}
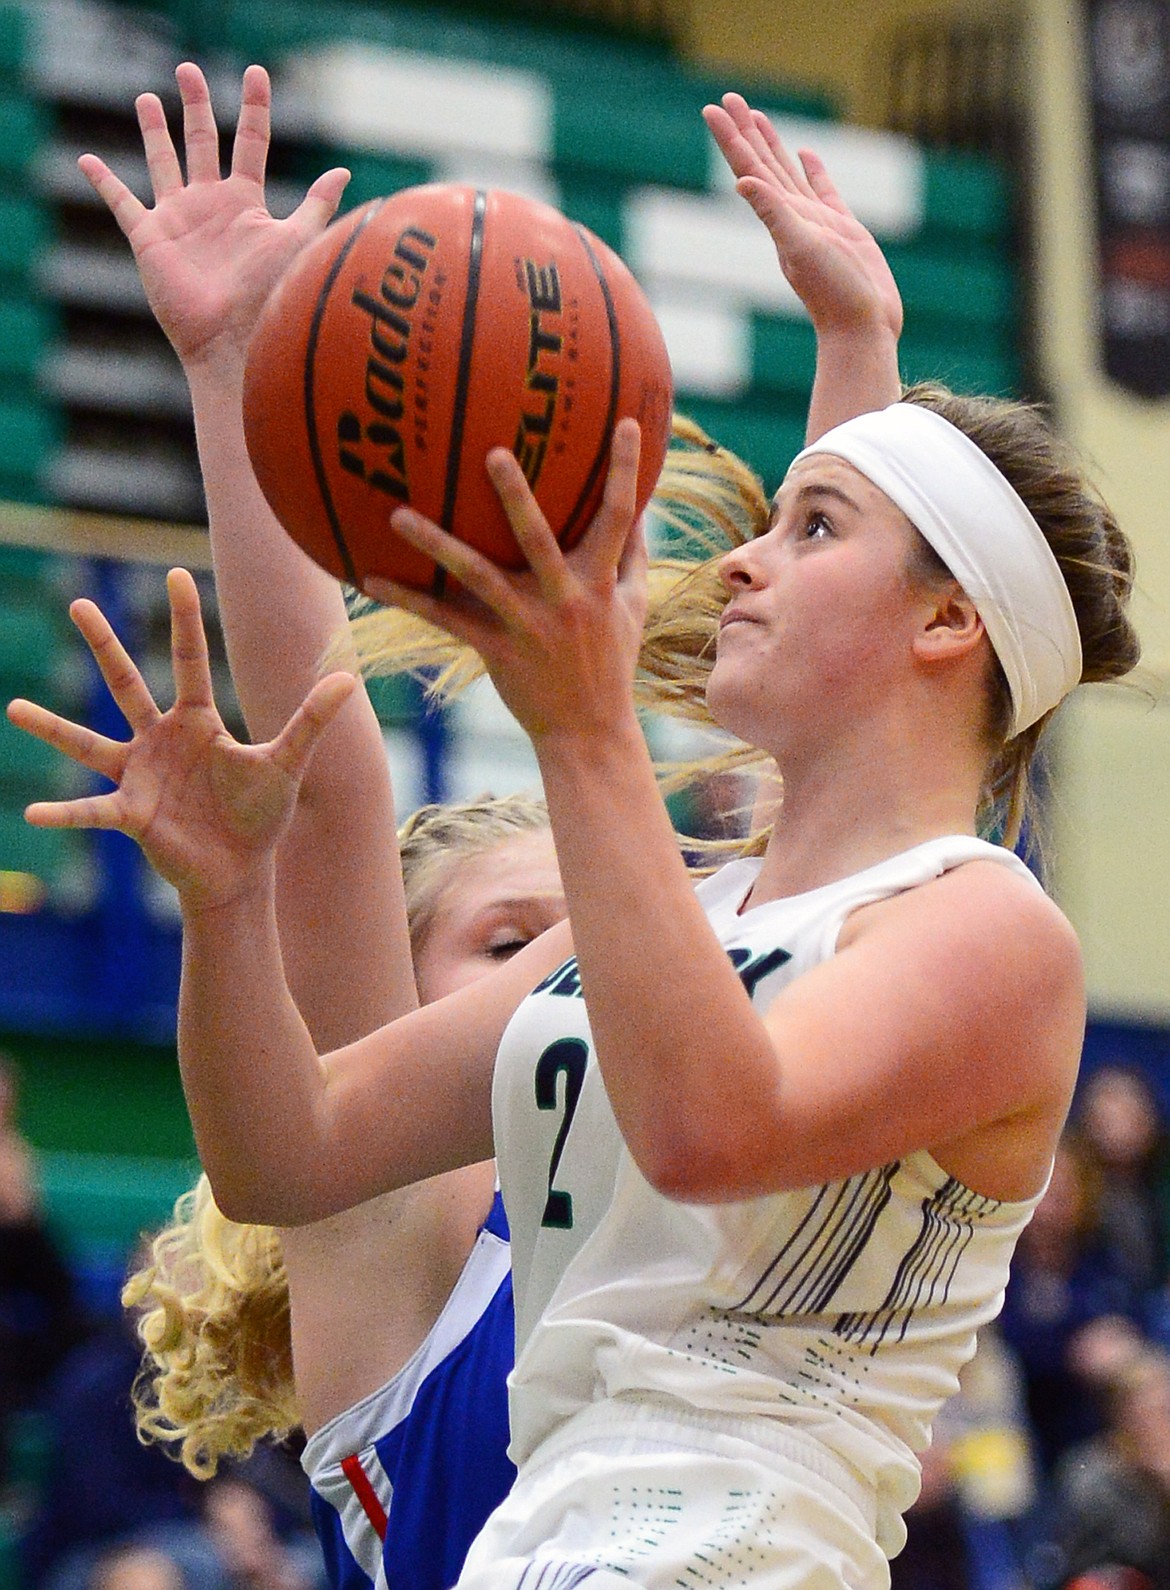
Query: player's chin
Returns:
{"type": "Point", "coordinates": [727, 700]}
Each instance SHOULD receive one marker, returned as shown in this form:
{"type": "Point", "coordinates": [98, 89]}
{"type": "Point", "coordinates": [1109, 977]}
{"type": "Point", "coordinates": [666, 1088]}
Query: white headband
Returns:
{"type": "Point", "coordinates": [959, 502]}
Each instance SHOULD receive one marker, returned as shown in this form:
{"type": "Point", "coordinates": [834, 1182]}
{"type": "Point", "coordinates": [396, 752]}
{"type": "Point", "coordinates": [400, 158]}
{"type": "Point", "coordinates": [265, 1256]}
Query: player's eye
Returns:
{"type": "Point", "coordinates": [503, 948]}
{"type": "Point", "coordinates": [817, 527]}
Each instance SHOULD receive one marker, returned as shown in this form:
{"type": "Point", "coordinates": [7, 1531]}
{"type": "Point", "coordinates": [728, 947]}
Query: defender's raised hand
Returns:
{"type": "Point", "coordinates": [206, 810]}
{"type": "Point", "coordinates": [831, 260]}
{"type": "Point", "coordinates": [209, 252]}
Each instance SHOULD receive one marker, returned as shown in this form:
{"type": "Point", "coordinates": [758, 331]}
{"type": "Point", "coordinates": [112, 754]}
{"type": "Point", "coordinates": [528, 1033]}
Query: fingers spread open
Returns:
{"type": "Point", "coordinates": [821, 183]}
{"type": "Point", "coordinates": [90, 811]}
{"type": "Point", "coordinates": [296, 742]}
{"type": "Point", "coordinates": [189, 660]}
{"type": "Point", "coordinates": [776, 212]}
{"type": "Point", "coordinates": [777, 154]}
{"type": "Point", "coordinates": [126, 209]}
{"type": "Point", "coordinates": [118, 669]}
{"type": "Point", "coordinates": [734, 147]}
{"type": "Point", "coordinates": [166, 174]}
{"type": "Point", "coordinates": [94, 751]}
{"type": "Point", "coordinates": [200, 134]}
{"type": "Point", "coordinates": [529, 525]}
{"type": "Point", "coordinates": [253, 129]}
{"type": "Point", "coordinates": [319, 205]}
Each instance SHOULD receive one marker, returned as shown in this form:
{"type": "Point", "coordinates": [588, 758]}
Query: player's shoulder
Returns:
{"type": "Point", "coordinates": [1010, 903]}
{"type": "Point", "coordinates": [992, 913]}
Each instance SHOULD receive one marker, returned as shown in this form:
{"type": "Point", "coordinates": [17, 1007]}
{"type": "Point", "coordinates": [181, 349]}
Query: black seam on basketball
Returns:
{"type": "Point", "coordinates": [615, 344]}
{"type": "Point", "coordinates": [347, 562]}
{"type": "Point", "coordinates": [463, 375]}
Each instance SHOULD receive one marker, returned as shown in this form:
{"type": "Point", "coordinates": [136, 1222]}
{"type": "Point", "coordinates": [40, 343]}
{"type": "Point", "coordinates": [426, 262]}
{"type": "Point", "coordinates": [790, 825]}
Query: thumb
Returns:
{"type": "Point", "coordinates": [768, 203]}
{"type": "Point", "coordinates": [319, 205]}
{"type": "Point", "coordinates": [292, 750]}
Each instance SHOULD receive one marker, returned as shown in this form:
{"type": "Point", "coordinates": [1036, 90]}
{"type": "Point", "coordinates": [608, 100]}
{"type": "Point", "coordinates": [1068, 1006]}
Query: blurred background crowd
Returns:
{"type": "Point", "coordinates": [1050, 1471]}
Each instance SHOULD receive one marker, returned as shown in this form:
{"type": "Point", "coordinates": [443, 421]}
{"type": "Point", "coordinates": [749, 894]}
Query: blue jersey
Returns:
{"type": "Point", "coordinates": [403, 1481]}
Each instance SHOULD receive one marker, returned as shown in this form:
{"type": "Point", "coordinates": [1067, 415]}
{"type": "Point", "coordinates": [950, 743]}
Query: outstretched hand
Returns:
{"type": "Point", "coordinates": [831, 261]}
{"type": "Point", "coordinates": [561, 639]}
{"type": "Point", "coordinates": [206, 810]}
{"type": "Point", "coordinates": [208, 251]}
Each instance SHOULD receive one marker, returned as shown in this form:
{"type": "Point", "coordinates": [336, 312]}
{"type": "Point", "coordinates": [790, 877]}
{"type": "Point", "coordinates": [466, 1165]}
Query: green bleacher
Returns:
{"type": "Point", "coordinates": [40, 657]}
{"type": "Point", "coordinates": [613, 120]}
{"type": "Point", "coordinates": [101, 1205]}
{"type": "Point", "coordinates": [623, 131]}
{"type": "Point", "coordinates": [30, 429]}
{"type": "Point", "coordinates": [622, 127]}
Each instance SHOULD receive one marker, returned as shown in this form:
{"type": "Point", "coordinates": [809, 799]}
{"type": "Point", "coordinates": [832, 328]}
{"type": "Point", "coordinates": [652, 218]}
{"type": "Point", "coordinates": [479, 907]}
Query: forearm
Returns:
{"type": "Point", "coordinates": [856, 373]}
{"type": "Point", "coordinates": [672, 1024]}
{"type": "Point", "coordinates": [252, 1077]}
{"type": "Point", "coordinates": [338, 881]}
{"type": "Point", "coordinates": [289, 1136]}
{"type": "Point", "coordinates": [279, 611]}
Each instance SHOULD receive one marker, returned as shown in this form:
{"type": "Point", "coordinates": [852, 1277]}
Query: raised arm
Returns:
{"type": "Point", "coordinates": [284, 1136]}
{"type": "Point", "coordinates": [832, 262]}
{"type": "Point", "coordinates": [209, 252]}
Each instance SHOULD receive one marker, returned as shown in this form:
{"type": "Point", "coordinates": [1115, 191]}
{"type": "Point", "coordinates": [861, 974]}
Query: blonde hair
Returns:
{"type": "Point", "coordinates": [707, 501]}
{"type": "Point", "coordinates": [213, 1303]}
{"type": "Point", "coordinates": [213, 1320]}
{"type": "Point", "coordinates": [711, 502]}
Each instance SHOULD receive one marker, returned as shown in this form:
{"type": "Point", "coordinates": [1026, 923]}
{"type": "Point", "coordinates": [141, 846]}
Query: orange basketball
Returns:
{"type": "Point", "coordinates": [419, 332]}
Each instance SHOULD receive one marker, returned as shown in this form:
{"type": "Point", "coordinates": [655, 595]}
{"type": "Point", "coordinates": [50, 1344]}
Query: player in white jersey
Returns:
{"type": "Point", "coordinates": [735, 1377]}
{"type": "Point", "coordinates": [400, 1331]}
{"type": "Point", "coordinates": [401, 1313]}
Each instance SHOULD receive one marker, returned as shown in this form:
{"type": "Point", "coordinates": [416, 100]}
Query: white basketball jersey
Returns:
{"type": "Point", "coordinates": [847, 1309]}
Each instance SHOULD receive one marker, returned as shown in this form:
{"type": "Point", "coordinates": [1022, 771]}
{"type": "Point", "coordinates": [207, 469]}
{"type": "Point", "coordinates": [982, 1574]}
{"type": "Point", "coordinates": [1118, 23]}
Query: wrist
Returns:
{"type": "Point", "coordinates": [590, 746]}
{"type": "Point", "coordinates": [247, 897]}
{"type": "Point", "coordinates": [215, 367]}
{"type": "Point", "coordinates": [868, 327]}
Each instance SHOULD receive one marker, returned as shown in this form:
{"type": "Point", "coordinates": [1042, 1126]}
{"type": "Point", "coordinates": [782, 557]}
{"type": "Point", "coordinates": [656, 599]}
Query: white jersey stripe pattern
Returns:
{"type": "Point", "coordinates": [844, 1310]}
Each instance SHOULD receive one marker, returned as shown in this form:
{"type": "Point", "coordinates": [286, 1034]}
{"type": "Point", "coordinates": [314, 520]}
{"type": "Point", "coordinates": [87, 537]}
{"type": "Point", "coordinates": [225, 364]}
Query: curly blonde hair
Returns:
{"type": "Point", "coordinates": [212, 1303]}
{"type": "Point", "coordinates": [213, 1319]}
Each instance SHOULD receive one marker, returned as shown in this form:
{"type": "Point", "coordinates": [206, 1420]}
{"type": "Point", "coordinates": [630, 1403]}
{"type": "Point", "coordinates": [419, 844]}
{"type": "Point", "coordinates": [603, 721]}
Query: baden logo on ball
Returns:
{"type": "Point", "coordinates": [423, 330]}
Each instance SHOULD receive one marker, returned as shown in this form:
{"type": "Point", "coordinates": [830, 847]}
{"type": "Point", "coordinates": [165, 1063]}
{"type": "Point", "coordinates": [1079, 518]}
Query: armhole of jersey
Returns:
{"type": "Point", "coordinates": [925, 867]}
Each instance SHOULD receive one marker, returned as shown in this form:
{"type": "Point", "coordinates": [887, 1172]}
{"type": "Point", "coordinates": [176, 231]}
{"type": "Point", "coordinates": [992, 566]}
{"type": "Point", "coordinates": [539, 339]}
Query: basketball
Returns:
{"type": "Point", "coordinates": [419, 332]}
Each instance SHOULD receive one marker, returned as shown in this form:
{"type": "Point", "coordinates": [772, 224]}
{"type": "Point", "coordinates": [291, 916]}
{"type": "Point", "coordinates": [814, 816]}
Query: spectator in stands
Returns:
{"type": "Point", "coordinates": [41, 1317]}
{"type": "Point", "coordinates": [1063, 1278]}
{"type": "Point", "coordinates": [1111, 1495]}
{"type": "Point", "coordinates": [1123, 1141]}
{"type": "Point", "coordinates": [106, 1490]}
{"type": "Point", "coordinates": [135, 1568]}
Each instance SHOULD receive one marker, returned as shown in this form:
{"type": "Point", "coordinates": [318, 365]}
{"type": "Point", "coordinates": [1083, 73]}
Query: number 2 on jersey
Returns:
{"type": "Point", "coordinates": [567, 1057]}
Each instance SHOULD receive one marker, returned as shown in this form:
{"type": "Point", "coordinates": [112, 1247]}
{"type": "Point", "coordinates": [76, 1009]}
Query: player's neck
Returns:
{"type": "Point", "coordinates": [841, 814]}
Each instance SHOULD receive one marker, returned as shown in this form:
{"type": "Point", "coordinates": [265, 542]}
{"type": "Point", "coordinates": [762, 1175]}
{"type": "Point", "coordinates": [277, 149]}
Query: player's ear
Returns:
{"type": "Point", "coordinates": [950, 626]}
